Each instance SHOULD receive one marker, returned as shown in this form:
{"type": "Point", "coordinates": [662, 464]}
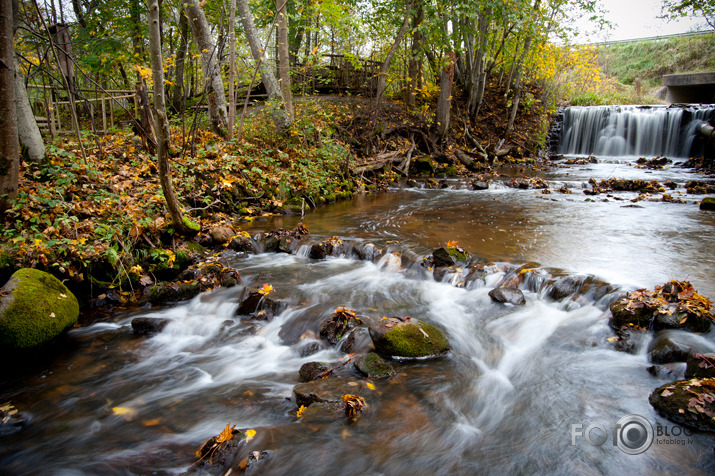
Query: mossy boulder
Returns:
{"type": "Point", "coordinates": [373, 366]}
{"type": "Point", "coordinates": [708, 203]}
{"type": "Point", "coordinates": [35, 307]}
{"type": "Point", "coordinates": [687, 402]}
{"type": "Point", "coordinates": [408, 338]}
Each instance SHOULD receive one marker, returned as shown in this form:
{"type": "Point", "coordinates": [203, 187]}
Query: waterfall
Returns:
{"type": "Point", "coordinates": [632, 130]}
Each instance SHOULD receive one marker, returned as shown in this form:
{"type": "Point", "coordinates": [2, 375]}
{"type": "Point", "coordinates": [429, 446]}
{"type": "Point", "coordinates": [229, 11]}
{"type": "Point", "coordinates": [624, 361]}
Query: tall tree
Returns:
{"type": "Point", "coordinates": [28, 132]}
{"type": "Point", "coordinates": [232, 69]}
{"type": "Point", "coordinates": [281, 118]}
{"type": "Point", "coordinates": [283, 56]}
{"type": "Point", "coordinates": [179, 90]}
{"type": "Point", "coordinates": [210, 65]}
{"type": "Point", "coordinates": [9, 144]}
{"type": "Point", "coordinates": [385, 66]}
{"type": "Point", "coordinates": [162, 123]}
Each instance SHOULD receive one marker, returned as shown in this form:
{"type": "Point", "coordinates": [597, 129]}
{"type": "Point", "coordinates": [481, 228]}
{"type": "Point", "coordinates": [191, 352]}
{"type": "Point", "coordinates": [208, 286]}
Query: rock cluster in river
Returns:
{"type": "Point", "coordinates": [676, 312]}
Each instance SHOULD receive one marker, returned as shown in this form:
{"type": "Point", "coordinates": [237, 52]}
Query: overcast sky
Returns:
{"type": "Point", "coordinates": [637, 19]}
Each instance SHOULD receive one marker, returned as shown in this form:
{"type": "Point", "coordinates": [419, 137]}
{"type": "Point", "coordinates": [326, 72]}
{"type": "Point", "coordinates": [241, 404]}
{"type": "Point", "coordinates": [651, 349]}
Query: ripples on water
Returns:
{"type": "Point", "coordinates": [503, 400]}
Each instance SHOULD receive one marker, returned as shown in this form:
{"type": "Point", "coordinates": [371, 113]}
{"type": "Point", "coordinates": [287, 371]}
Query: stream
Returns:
{"type": "Point", "coordinates": [504, 400]}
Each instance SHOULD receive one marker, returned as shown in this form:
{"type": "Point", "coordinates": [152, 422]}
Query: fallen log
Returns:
{"type": "Point", "coordinates": [404, 166]}
{"type": "Point", "coordinates": [707, 131]}
{"type": "Point", "coordinates": [378, 162]}
{"type": "Point", "coordinates": [466, 160]}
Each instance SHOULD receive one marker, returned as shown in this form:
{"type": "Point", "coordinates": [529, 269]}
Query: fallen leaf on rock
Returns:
{"type": "Point", "coordinates": [226, 434]}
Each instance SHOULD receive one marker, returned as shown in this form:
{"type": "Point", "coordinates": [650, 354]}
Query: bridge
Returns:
{"type": "Point", "coordinates": [690, 87]}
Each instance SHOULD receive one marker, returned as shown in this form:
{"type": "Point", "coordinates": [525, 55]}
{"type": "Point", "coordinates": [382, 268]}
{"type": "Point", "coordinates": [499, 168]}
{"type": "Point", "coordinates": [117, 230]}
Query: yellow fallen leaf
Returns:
{"type": "Point", "coordinates": [125, 412]}
{"type": "Point", "coordinates": [153, 422]}
{"type": "Point", "coordinates": [612, 339]}
{"type": "Point", "coordinates": [300, 411]}
{"type": "Point", "coordinates": [370, 385]}
{"type": "Point", "coordinates": [250, 434]}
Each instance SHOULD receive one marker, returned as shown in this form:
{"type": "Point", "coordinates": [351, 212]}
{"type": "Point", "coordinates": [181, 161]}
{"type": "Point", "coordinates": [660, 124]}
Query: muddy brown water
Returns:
{"type": "Point", "coordinates": [504, 400]}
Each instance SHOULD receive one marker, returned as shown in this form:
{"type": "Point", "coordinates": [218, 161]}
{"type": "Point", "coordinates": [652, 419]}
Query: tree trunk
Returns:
{"type": "Point", "coordinates": [414, 70]}
{"type": "Point", "coordinates": [232, 69]}
{"type": "Point", "coordinates": [162, 123]}
{"type": "Point", "coordinates": [27, 129]}
{"type": "Point", "coordinates": [209, 62]}
{"type": "Point", "coordinates": [179, 90]}
{"type": "Point", "coordinates": [283, 57]}
{"type": "Point", "coordinates": [385, 66]}
{"type": "Point", "coordinates": [281, 119]}
{"type": "Point", "coordinates": [146, 119]}
{"type": "Point", "coordinates": [9, 144]}
{"type": "Point", "coordinates": [444, 103]}
{"type": "Point", "coordinates": [479, 76]}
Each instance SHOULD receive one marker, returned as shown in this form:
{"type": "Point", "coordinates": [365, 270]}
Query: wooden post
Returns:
{"type": "Point", "coordinates": [111, 113]}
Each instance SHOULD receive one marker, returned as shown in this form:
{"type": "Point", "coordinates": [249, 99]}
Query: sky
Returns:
{"type": "Point", "coordinates": [637, 19]}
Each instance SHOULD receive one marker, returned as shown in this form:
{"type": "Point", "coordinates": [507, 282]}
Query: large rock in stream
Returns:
{"type": "Point", "coordinates": [35, 307]}
{"type": "Point", "coordinates": [408, 338]}
{"type": "Point", "coordinates": [687, 402]}
{"type": "Point", "coordinates": [675, 305]}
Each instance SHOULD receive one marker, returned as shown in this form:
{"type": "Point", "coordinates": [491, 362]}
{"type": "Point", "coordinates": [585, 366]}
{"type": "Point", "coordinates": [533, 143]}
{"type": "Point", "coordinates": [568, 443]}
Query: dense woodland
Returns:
{"type": "Point", "coordinates": [162, 120]}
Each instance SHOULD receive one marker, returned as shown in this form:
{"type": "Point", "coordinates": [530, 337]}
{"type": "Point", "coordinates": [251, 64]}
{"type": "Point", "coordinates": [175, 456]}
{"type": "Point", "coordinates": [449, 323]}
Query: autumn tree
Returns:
{"type": "Point", "coordinates": [385, 66]}
{"type": "Point", "coordinates": [162, 123]}
{"type": "Point", "coordinates": [9, 145]}
{"type": "Point", "coordinates": [210, 65]}
{"type": "Point", "coordinates": [281, 118]}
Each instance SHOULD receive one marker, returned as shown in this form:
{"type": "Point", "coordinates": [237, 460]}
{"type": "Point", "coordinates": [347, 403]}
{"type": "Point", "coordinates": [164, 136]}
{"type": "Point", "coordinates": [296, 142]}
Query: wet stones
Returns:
{"type": "Point", "coordinates": [508, 295]}
{"type": "Point", "coordinates": [284, 241]}
{"type": "Point", "coordinates": [408, 338]}
{"type": "Point", "coordinates": [148, 325]}
{"type": "Point", "coordinates": [373, 366]}
{"type": "Point", "coordinates": [256, 303]}
{"type": "Point", "coordinates": [687, 402]}
{"type": "Point", "coordinates": [342, 320]}
{"type": "Point", "coordinates": [330, 390]}
{"type": "Point", "coordinates": [313, 371]}
{"type": "Point", "coordinates": [675, 305]}
{"type": "Point", "coordinates": [700, 366]}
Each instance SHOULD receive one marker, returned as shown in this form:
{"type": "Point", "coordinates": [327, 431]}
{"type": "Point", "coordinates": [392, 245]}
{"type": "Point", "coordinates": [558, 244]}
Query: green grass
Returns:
{"type": "Point", "coordinates": [650, 60]}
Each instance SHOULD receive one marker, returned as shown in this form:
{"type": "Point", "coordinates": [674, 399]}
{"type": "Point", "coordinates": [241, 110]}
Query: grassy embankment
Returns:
{"type": "Point", "coordinates": [631, 73]}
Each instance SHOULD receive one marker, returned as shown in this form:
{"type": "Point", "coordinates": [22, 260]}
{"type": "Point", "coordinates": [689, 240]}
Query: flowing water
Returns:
{"type": "Point", "coordinates": [504, 400]}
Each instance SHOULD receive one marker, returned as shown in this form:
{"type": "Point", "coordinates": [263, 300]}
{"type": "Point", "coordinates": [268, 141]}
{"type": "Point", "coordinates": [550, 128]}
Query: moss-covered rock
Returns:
{"type": "Point", "coordinates": [35, 307]}
{"type": "Point", "coordinates": [687, 402]}
{"type": "Point", "coordinates": [373, 366]}
{"type": "Point", "coordinates": [708, 203]}
{"type": "Point", "coordinates": [407, 338]}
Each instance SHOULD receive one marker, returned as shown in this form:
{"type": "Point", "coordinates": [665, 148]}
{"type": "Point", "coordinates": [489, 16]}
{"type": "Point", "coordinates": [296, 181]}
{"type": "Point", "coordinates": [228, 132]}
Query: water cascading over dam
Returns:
{"type": "Point", "coordinates": [669, 131]}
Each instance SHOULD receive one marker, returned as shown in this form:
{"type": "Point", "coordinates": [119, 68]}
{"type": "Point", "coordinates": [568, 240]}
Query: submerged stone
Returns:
{"type": "Point", "coordinates": [408, 338]}
{"type": "Point", "coordinates": [35, 307]}
{"type": "Point", "coordinates": [329, 390]}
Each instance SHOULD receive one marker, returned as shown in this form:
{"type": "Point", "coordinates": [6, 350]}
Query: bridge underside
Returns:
{"type": "Point", "coordinates": [690, 87]}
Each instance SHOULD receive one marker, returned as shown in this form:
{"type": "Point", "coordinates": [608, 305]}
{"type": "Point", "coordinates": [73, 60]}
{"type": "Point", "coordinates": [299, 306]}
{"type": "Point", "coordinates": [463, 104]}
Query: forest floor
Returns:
{"type": "Point", "coordinates": [99, 222]}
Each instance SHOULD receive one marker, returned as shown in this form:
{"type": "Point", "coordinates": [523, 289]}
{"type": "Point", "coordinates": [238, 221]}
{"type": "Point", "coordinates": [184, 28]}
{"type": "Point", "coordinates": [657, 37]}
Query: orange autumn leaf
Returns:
{"type": "Point", "coordinates": [266, 289]}
{"type": "Point", "coordinates": [226, 434]}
